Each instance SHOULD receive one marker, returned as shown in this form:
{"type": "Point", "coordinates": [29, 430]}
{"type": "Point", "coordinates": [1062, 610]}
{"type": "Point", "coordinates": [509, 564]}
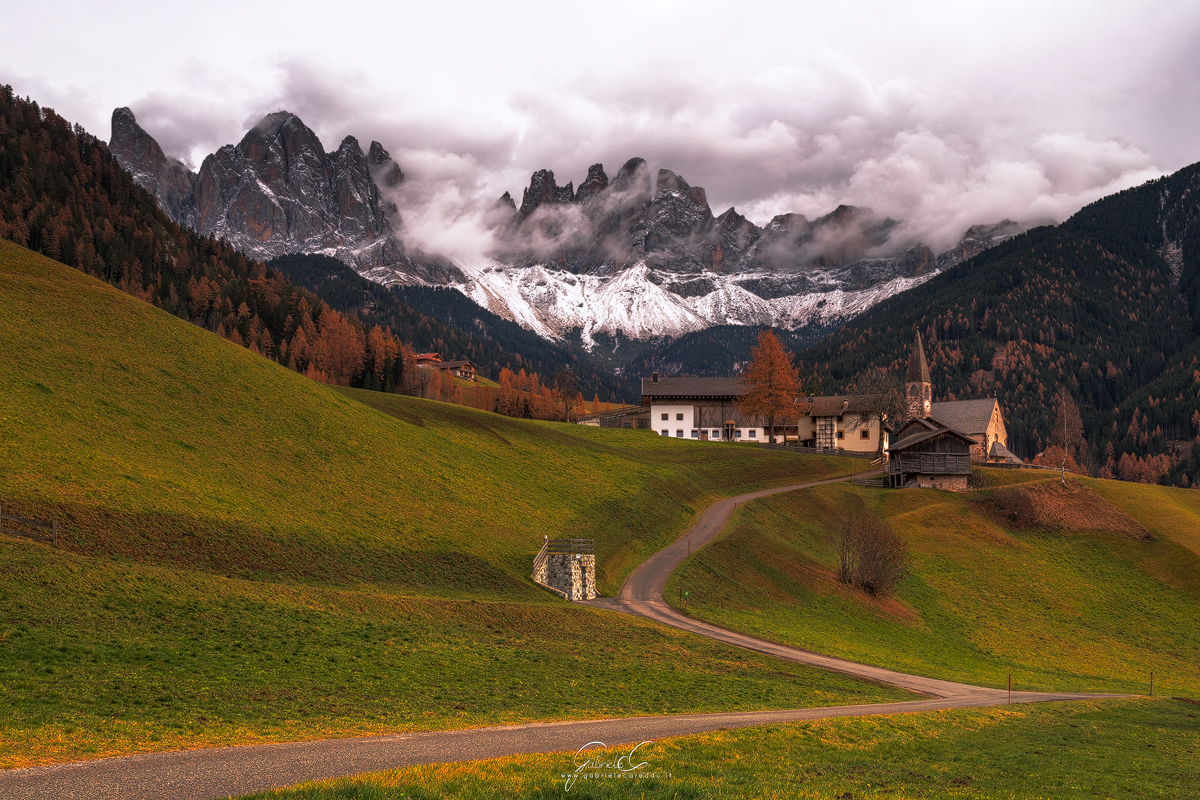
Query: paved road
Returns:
{"type": "Point", "coordinates": [225, 771]}
{"type": "Point", "coordinates": [221, 772]}
{"type": "Point", "coordinates": [642, 594]}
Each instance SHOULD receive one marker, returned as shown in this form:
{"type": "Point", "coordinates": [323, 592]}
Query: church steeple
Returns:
{"type": "Point", "coordinates": [918, 388]}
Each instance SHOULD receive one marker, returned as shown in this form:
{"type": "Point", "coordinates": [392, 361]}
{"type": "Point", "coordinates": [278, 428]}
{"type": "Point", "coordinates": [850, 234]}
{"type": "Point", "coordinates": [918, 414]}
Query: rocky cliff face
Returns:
{"type": "Point", "coordinates": [168, 180]}
{"type": "Point", "coordinates": [277, 191]}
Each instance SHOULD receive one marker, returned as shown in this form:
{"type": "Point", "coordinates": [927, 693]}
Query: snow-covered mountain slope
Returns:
{"type": "Point", "coordinates": [554, 302]}
{"type": "Point", "coordinates": [640, 256]}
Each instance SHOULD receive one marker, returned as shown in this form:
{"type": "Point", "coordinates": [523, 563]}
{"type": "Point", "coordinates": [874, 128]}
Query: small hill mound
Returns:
{"type": "Point", "coordinates": [1057, 508]}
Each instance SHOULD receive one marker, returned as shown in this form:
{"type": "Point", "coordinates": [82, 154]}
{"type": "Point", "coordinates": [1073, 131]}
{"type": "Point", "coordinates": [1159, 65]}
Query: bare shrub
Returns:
{"type": "Point", "coordinates": [871, 556]}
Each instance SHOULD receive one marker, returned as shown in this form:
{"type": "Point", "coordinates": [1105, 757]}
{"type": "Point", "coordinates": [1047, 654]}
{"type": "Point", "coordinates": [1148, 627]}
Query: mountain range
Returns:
{"type": "Point", "coordinates": [637, 257]}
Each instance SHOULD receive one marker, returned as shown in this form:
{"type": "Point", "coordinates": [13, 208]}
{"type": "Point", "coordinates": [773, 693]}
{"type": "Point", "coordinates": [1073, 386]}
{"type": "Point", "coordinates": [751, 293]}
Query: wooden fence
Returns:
{"type": "Point", "coordinates": [569, 546]}
{"type": "Point", "coordinates": [821, 451]}
{"type": "Point", "coordinates": [51, 526]}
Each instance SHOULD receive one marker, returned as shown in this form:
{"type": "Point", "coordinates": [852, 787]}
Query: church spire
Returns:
{"type": "Point", "coordinates": [918, 388]}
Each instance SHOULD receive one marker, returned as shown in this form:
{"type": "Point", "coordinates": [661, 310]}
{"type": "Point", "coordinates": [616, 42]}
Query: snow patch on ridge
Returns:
{"type": "Point", "coordinates": [552, 302]}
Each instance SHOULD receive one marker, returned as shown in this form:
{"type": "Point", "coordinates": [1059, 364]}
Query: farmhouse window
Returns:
{"type": "Point", "coordinates": [737, 434]}
{"type": "Point", "coordinates": [753, 434]}
{"type": "Point", "coordinates": [864, 434]}
{"type": "Point", "coordinates": [666, 417]}
{"type": "Point", "coordinates": [679, 416]}
{"type": "Point", "coordinates": [666, 433]}
{"type": "Point", "coordinates": [695, 434]}
{"type": "Point", "coordinates": [841, 435]}
{"type": "Point", "coordinates": [679, 434]}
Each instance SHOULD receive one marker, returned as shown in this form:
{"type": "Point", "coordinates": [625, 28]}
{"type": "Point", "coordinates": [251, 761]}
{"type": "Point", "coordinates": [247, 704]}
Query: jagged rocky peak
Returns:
{"type": "Point", "coordinates": [543, 191]}
{"type": "Point", "coordinates": [669, 182]}
{"type": "Point", "coordinates": [633, 180]}
{"type": "Point", "coordinates": [594, 184]}
{"type": "Point", "coordinates": [384, 169]}
{"type": "Point", "coordinates": [167, 179]}
{"type": "Point", "coordinates": [735, 233]}
{"type": "Point", "coordinates": [506, 201]}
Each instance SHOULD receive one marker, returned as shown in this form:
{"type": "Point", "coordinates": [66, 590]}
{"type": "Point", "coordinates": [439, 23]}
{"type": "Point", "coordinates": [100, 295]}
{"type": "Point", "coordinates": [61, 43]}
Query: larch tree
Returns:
{"type": "Point", "coordinates": [772, 383]}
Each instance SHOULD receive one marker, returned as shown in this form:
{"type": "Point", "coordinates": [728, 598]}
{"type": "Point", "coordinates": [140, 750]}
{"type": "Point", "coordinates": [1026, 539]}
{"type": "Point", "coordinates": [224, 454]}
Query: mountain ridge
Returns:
{"type": "Point", "coordinates": [651, 257]}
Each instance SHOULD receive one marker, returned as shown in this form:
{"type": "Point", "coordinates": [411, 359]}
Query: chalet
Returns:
{"type": "Point", "coordinates": [427, 360]}
{"type": "Point", "coordinates": [705, 409]}
{"type": "Point", "coordinates": [459, 369]}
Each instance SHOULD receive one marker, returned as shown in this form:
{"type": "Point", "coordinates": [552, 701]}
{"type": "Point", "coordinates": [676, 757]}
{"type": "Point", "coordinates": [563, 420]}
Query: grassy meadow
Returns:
{"type": "Point", "coordinates": [250, 556]}
{"type": "Point", "coordinates": [1082, 611]}
{"type": "Point", "coordinates": [1128, 749]}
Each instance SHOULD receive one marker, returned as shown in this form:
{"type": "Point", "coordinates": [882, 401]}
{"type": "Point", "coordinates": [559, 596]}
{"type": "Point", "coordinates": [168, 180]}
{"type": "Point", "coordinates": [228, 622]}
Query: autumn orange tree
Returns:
{"type": "Point", "coordinates": [772, 383]}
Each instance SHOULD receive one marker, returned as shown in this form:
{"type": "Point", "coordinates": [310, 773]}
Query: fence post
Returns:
{"type": "Point", "coordinates": [54, 530]}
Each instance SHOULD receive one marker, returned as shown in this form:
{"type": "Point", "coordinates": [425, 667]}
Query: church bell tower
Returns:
{"type": "Point", "coordinates": [918, 389]}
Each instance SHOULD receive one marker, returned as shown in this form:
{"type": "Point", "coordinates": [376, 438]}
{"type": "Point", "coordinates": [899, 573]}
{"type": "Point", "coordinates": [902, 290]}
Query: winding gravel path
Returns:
{"type": "Point", "coordinates": [221, 772]}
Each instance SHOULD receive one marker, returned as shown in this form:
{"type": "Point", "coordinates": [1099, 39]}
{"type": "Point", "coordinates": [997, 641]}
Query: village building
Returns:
{"type": "Point", "coordinates": [936, 447]}
{"type": "Point", "coordinates": [704, 409]}
{"type": "Point", "coordinates": [426, 360]}
{"type": "Point", "coordinates": [459, 369]}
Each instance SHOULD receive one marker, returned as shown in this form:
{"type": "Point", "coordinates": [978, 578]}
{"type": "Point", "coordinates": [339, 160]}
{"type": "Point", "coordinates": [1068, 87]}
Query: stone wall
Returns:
{"type": "Point", "coordinates": [949, 483]}
{"type": "Point", "coordinates": [573, 576]}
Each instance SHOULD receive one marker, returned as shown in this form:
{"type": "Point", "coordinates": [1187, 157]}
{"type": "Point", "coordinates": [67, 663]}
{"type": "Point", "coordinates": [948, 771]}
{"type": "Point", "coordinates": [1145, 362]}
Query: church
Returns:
{"type": "Point", "coordinates": [936, 447]}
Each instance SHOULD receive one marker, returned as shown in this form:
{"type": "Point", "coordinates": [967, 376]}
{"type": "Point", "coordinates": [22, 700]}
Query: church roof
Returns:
{"type": "Point", "coordinates": [918, 367]}
{"type": "Point", "coordinates": [971, 416]}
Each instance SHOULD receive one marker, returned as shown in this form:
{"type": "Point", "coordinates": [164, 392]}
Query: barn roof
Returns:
{"type": "Point", "coordinates": [971, 416]}
{"type": "Point", "coordinates": [924, 430]}
{"type": "Point", "coordinates": [455, 364]}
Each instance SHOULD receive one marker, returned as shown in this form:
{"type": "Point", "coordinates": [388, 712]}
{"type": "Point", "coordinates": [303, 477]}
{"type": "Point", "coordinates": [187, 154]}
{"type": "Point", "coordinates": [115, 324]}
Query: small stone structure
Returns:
{"type": "Point", "coordinates": [567, 567]}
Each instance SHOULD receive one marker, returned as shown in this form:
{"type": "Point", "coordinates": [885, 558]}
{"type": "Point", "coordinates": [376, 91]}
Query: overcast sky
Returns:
{"type": "Point", "coordinates": [940, 114]}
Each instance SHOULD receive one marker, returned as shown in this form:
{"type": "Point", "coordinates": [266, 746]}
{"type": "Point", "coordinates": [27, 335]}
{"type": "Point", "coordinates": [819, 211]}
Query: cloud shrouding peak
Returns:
{"type": "Point", "coordinates": [940, 115]}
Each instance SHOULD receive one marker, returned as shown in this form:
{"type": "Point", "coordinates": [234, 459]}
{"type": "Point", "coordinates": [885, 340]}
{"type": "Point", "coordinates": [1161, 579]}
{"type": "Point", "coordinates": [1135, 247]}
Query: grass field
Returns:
{"type": "Point", "coordinates": [248, 555]}
{"type": "Point", "coordinates": [1113, 749]}
{"type": "Point", "coordinates": [157, 441]}
{"type": "Point", "coordinates": [1086, 611]}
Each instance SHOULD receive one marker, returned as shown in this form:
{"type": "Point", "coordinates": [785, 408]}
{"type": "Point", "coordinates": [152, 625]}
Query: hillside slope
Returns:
{"type": "Point", "coordinates": [246, 555]}
{"type": "Point", "coordinates": [138, 414]}
{"type": "Point", "coordinates": [1093, 610]}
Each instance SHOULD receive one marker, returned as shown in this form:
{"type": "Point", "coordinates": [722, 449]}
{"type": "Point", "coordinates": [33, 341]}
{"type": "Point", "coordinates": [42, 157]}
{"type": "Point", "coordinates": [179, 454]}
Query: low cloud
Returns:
{"type": "Point", "coordinates": [801, 138]}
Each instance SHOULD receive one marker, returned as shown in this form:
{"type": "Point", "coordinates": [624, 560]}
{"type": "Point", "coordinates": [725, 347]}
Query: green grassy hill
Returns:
{"type": "Point", "coordinates": [1086, 610]}
{"type": "Point", "coordinates": [248, 555]}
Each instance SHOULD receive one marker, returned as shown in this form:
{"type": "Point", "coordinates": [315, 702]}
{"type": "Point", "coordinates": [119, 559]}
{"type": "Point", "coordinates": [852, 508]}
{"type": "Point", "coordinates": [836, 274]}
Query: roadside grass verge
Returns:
{"type": "Point", "coordinates": [1059, 611]}
{"type": "Point", "coordinates": [1114, 749]}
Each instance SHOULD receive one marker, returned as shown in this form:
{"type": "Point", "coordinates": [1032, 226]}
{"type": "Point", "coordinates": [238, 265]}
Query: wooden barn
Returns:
{"type": "Point", "coordinates": [930, 455]}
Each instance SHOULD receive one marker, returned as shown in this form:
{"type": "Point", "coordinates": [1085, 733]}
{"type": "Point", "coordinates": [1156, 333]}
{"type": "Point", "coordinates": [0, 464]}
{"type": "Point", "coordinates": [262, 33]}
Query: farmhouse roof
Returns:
{"type": "Point", "coordinates": [454, 364]}
{"type": "Point", "coordinates": [918, 367]}
{"type": "Point", "coordinates": [972, 416]}
{"type": "Point", "coordinates": [832, 406]}
{"type": "Point", "coordinates": [692, 387]}
{"type": "Point", "coordinates": [427, 357]}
